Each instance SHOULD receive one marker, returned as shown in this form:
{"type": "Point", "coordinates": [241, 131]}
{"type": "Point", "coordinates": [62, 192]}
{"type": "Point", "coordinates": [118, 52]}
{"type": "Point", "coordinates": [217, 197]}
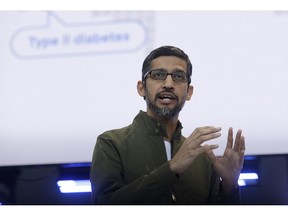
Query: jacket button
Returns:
{"type": "Point", "coordinates": [157, 129]}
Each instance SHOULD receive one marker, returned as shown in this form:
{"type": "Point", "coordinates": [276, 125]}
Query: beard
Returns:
{"type": "Point", "coordinates": [164, 112]}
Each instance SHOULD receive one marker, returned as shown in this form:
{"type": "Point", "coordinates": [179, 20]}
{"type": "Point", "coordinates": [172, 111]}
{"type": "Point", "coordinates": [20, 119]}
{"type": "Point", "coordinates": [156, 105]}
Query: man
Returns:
{"type": "Point", "coordinates": [150, 162]}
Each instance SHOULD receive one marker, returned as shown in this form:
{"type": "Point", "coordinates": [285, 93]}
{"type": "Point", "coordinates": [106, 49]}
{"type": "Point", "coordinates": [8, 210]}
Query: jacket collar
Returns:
{"type": "Point", "coordinates": [153, 127]}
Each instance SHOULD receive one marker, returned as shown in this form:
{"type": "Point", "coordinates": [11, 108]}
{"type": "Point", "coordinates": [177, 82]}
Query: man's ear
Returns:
{"type": "Point", "coordinates": [140, 88]}
{"type": "Point", "coordinates": [189, 92]}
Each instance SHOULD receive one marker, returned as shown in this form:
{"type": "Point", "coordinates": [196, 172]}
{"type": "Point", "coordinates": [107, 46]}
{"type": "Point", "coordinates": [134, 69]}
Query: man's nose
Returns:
{"type": "Point", "coordinates": [168, 82]}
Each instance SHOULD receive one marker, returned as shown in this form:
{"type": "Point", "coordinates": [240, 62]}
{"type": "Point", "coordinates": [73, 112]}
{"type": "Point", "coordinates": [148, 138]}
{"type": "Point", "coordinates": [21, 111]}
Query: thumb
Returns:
{"type": "Point", "coordinates": [211, 155]}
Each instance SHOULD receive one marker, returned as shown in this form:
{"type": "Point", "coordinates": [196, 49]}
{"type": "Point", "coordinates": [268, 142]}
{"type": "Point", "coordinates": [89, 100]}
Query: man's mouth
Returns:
{"type": "Point", "coordinates": [166, 97]}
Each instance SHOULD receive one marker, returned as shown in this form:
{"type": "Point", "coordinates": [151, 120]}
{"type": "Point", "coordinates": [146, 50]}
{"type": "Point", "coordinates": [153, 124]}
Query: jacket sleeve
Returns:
{"type": "Point", "coordinates": [234, 198]}
{"type": "Point", "coordinates": [108, 186]}
{"type": "Point", "coordinates": [218, 197]}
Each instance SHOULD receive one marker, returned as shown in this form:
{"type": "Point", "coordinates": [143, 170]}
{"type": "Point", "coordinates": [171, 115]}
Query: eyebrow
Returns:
{"type": "Point", "coordinates": [176, 69]}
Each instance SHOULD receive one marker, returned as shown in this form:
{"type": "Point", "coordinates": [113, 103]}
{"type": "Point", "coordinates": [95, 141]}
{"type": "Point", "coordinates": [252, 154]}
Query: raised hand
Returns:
{"type": "Point", "coordinates": [192, 147]}
{"type": "Point", "coordinates": [229, 166]}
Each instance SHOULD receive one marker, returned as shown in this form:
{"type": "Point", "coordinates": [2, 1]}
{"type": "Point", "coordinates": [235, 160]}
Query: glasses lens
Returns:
{"type": "Point", "coordinates": [179, 76]}
{"type": "Point", "coordinates": [158, 74]}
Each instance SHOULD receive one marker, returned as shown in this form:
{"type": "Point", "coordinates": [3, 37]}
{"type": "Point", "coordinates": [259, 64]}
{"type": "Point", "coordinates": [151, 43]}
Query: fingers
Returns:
{"type": "Point", "coordinates": [242, 146]}
{"type": "Point", "coordinates": [208, 148]}
{"type": "Point", "coordinates": [205, 148]}
{"type": "Point", "coordinates": [237, 141]}
{"type": "Point", "coordinates": [202, 134]}
{"type": "Point", "coordinates": [230, 138]}
{"type": "Point", "coordinates": [239, 144]}
{"type": "Point", "coordinates": [206, 130]}
{"type": "Point", "coordinates": [242, 157]}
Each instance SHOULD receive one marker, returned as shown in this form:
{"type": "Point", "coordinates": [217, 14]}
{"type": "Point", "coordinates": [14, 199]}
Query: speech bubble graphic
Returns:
{"type": "Point", "coordinates": [57, 38]}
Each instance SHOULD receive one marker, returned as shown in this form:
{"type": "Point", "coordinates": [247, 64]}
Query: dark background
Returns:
{"type": "Point", "coordinates": [37, 184]}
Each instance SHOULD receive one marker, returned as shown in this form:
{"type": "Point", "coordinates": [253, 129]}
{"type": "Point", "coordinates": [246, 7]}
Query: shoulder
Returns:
{"type": "Point", "coordinates": [116, 134]}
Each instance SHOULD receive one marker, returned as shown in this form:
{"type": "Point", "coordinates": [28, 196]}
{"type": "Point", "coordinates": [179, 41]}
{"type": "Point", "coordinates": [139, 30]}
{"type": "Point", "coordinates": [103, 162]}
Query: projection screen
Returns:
{"type": "Point", "coordinates": [68, 76]}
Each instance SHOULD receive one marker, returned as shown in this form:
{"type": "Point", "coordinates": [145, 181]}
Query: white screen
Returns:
{"type": "Point", "coordinates": [66, 77]}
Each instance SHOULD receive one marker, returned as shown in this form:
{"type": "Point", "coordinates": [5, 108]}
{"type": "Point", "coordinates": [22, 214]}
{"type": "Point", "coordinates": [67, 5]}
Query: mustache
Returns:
{"type": "Point", "coordinates": [167, 91]}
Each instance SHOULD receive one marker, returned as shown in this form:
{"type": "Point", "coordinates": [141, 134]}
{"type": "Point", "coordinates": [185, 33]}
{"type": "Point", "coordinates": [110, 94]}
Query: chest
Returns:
{"type": "Point", "coordinates": [142, 156]}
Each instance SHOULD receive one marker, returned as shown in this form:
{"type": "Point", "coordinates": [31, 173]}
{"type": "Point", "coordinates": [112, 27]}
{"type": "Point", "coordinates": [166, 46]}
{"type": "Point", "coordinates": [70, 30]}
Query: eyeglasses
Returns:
{"type": "Point", "coordinates": [158, 74]}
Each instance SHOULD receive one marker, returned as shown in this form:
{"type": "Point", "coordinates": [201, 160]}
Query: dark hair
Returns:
{"type": "Point", "coordinates": [166, 51]}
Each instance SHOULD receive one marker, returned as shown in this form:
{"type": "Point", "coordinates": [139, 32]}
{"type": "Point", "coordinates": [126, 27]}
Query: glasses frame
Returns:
{"type": "Point", "coordinates": [171, 74]}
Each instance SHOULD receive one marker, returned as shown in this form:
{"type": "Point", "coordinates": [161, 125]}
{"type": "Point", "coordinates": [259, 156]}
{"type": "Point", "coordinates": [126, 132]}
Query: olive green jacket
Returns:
{"type": "Point", "coordinates": [130, 166]}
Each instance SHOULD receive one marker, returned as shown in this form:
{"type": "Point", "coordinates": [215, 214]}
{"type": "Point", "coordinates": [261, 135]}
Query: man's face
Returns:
{"type": "Point", "coordinates": [166, 98]}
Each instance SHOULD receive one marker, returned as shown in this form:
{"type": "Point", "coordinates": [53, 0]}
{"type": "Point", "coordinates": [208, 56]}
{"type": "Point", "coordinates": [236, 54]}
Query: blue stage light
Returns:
{"type": "Point", "coordinates": [84, 186]}
{"type": "Point", "coordinates": [74, 186]}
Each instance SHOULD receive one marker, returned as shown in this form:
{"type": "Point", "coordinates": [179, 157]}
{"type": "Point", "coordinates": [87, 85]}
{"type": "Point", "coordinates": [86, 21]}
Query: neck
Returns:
{"type": "Point", "coordinates": [171, 128]}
